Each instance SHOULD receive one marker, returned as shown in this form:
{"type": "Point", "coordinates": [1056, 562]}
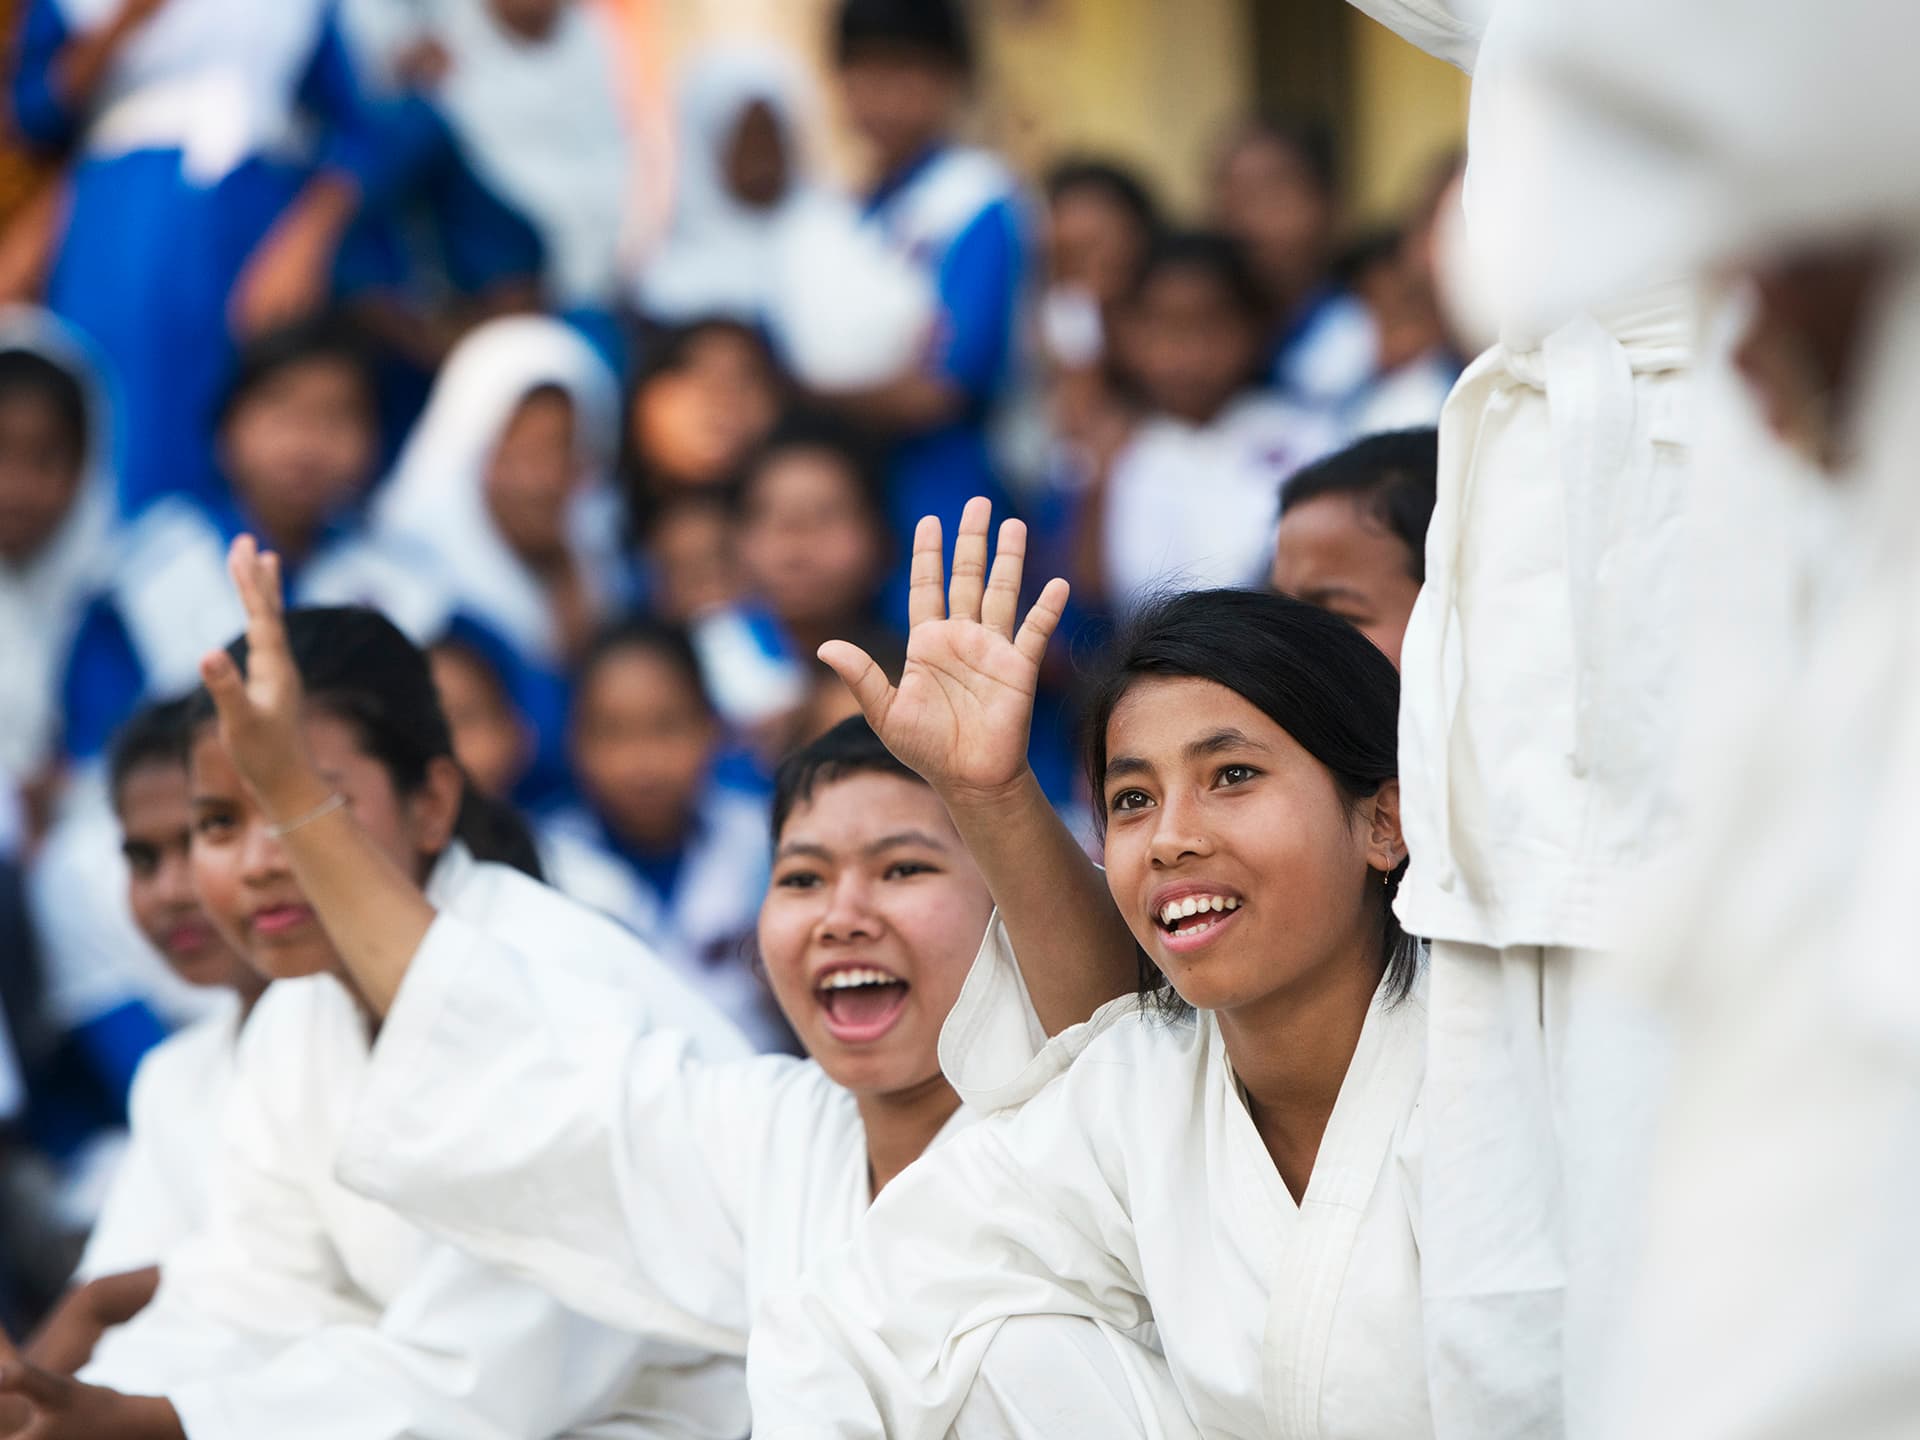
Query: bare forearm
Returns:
{"type": "Point", "coordinates": [914, 401]}
{"type": "Point", "coordinates": [1075, 951]}
{"type": "Point", "coordinates": [373, 912]}
{"type": "Point", "coordinates": [83, 62]}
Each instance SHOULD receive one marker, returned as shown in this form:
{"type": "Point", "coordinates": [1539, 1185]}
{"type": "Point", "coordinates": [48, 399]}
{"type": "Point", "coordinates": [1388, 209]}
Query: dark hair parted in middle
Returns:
{"type": "Point", "coordinates": [155, 734]}
{"type": "Point", "coordinates": [356, 667]}
{"type": "Point", "coordinates": [933, 29]}
{"type": "Point", "coordinates": [1392, 477]}
{"type": "Point", "coordinates": [849, 748]}
{"type": "Point", "coordinates": [1311, 673]}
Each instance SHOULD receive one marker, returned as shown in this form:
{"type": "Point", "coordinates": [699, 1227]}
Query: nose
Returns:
{"type": "Point", "coordinates": [849, 914]}
{"type": "Point", "coordinates": [173, 880]}
{"type": "Point", "coordinates": [1179, 831]}
{"type": "Point", "coordinates": [262, 861]}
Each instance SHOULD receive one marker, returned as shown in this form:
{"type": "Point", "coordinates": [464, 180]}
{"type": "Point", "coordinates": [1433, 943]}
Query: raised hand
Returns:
{"type": "Point", "coordinates": [963, 708]}
{"type": "Point", "coordinates": [260, 710]}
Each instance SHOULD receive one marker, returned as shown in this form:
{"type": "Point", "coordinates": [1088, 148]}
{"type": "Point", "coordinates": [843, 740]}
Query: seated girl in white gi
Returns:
{"type": "Point", "coordinates": [301, 1311]}
{"type": "Point", "coordinates": [638, 1186]}
{"type": "Point", "coordinates": [1224, 1171]}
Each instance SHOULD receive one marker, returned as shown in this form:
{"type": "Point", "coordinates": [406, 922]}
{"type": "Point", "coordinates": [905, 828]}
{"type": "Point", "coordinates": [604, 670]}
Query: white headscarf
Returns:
{"type": "Point", "coordinates": [719, 254]}
{"type": "Point", "coordinates": [41, 602]}
{"type": "Point", "coordinates": [436, 501]}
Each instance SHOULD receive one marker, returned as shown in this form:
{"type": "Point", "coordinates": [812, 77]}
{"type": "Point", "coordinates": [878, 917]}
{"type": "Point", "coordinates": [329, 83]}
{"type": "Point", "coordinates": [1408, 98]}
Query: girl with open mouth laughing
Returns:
{"type": "Point", "coordinates": [1223, 1175]}
{"type": "Point", "coordinates": [530, 1116]}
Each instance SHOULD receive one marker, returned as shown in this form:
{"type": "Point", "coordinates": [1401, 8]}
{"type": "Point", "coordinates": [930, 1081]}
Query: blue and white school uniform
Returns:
{"type": "Point", "coordinates": [697, 908]}
{"type": "Point", "coordinates": [302, 1310]}
{"type": "Point", "coordinates": [209, 121]}
{"type": "Point", "coordinates": [1193, 506]}
{"type": "Point", "coordinates": [170, 601]}
{"type": "Point", "coordinates": [1328, 352]}
{"type": "Point", "coordinates": [435, 506]}
{"type": "Point", "coordinates": [957, 215]}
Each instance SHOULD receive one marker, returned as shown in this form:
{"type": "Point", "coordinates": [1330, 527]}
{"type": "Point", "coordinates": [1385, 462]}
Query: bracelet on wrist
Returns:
{"type": "Point", "coordinates": [332, 803]}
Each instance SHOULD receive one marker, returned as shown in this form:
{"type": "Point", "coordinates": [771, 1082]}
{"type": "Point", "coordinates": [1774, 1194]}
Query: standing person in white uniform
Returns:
{"type": "Point", "coordinates": [1543, 665]}
{"type": "Point", "coordinates": [300, 1309]}
{"type": "Point", "coordinates": [1775, 1292]}
{"type": "Point", "coordinates": [1224, 1172]}
{"type": "Point", "coordinates": [755, 1170]}
{"type": "Point", "coordinates": [161, 1190]}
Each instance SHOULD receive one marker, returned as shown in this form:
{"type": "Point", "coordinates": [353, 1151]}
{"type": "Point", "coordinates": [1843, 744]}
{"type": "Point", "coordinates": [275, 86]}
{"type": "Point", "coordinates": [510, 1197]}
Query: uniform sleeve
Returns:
{"type": "Point", "coordinates": [526, 1117]}
{"type": "Point", "coordinates": [383, 145]}
{"type": "Point", "coordinates": [102, 684]}
{"type": "Point", "coordinates": [884, 1340]}
{"type": "Point", "coordinates": [147, 1212]}
{"type": "Point", "coordinates": [42, 117]}
{"type": "Point", "coordinates": [1438, 27]}
{"type": "Point", "coordinates": [259, 1329]}
{"type": "Point", "coordinates": [979, 286]}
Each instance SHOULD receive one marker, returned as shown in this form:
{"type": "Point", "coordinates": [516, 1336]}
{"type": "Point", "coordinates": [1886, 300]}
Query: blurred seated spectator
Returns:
{"type": "Point", "coordinates": [56, 521]}
{"type": "Point", "coordinates": [1353, 533]}
{"type": "Point", "coordinates": [1275, 192]}
{"type": "Point", "coordinates": [741, 168]}
{"type": "Point", "coordinates": [162, 1185]}
{"type": "Point", "coordinates": [1396, 275]}
{"type": "Point", "coordinates": [491, 738]}
{"type": "Point", "coordinates": [690, 552]}
{"type": "Point", "coordinates": [529, 88]}
{"type": "Point", "coordinates": [656, 840]}
{"type": "Point", "coordinates": [298, 443]}
{"type": "Point", "coordinates": [814, 541]}
{"type": "Point", "coordinates": [1191, 497]}
{"type": "Point", "coordinates": [233, 140]}
{"type": "Point", "coordinates": [1100, 224]}
{"type": "Point", "coordinates": [505, 487]}
{"type": "Point", "coordinates": [708, 393]}
{"type": "Point", "coordinates": [955, 213]}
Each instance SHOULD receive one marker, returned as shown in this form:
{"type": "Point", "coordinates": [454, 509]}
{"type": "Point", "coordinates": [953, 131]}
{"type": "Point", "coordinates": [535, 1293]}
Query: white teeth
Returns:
{"type": "Point", "coordinates": [1196, 905]}
{"type": "Point", "coordinates": [855, 978]}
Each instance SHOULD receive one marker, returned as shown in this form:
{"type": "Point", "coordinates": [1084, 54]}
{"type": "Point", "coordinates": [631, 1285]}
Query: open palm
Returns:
{"type": "Point", "coordinates": [259, 710]}
{"type": "Point", "coordinates": [963, 708]}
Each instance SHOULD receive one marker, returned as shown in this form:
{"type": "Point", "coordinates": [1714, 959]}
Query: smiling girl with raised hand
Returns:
{"type": "Point", "coordinates": [1226, 1160]}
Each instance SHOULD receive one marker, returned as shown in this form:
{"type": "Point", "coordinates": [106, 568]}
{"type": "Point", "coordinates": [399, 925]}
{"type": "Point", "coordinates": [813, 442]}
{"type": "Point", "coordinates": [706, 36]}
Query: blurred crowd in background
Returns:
{"type": "Point", "coordinates": [374, 281]}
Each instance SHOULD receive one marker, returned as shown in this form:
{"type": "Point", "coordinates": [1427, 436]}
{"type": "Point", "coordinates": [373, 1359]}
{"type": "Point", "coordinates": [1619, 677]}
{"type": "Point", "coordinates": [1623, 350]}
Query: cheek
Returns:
{"type": "Point", "coordinates": [782, 937]}
{"type": "Point", "coordinates": [217, 882]}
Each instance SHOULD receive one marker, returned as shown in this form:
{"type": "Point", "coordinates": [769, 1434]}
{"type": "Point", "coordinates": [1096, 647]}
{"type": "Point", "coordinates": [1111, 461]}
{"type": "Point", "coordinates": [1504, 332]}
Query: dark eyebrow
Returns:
{"type": "Point", "coordinates": [1123, 765]}
{"type": "Point", "coordinates": [1221, 740]}
{"type": "Point", "coordinates": [905, 837]}
{"type": "Point", "coordinates": [1322, 594]}
{"type": "Point", "coordinates": [803, 847]}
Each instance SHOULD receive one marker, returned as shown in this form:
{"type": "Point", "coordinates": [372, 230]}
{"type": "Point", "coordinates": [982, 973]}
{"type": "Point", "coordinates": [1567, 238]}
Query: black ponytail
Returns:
{"type": "Point", "coordinates": [358, 668]}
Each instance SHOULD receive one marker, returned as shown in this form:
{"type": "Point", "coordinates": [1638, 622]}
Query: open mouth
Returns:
{"type": "Point", "coordinates": [1193, 920]}
{"type": "Point", "coordinates": [860, 1002]}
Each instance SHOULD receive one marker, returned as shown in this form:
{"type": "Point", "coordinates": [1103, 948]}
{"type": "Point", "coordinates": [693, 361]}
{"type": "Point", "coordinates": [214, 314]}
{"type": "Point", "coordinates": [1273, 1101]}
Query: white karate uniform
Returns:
{"type": "Point", "coordinates": [1542, 676]}
{"type": "Point", "coordinates": [1134, 1192]}
{"type": "Point", "coordinates": [1774, 1291]}
{"type": "Point", "coordinates": [705, 928]}
{"type": "Point", "coordinates": [589, 1141]}
{"type": "Point", "coordinates": [1193, 506]}
{"type": "Point", "coordinates": [304, 1310]}
{"type": "Point", "coordinates": [161, 1191]}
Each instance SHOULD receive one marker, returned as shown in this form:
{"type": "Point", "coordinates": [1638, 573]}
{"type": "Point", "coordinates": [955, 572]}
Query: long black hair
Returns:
{"type": "Point", "coordinates": [1311, 673]}
{"type": "Point", "coordinates": [356, 667]}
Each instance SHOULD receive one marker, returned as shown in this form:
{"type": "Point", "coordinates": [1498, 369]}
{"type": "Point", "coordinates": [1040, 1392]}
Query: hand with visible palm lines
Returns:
{"type": "Point", "coordinates": [962, 711]}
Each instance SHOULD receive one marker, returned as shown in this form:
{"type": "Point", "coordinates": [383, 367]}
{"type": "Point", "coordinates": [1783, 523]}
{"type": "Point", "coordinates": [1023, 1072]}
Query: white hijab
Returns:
{"type": "Point", "coordinates": [719, 255]}
{"type": "Point", "coordinates": [41, 601]}
{"type": "Point", "coordinates": [436, 501]}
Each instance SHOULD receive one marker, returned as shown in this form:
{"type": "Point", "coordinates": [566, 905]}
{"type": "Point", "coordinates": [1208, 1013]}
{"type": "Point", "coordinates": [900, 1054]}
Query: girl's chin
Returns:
{"type": "Point", "coordinates": [294, 964]}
